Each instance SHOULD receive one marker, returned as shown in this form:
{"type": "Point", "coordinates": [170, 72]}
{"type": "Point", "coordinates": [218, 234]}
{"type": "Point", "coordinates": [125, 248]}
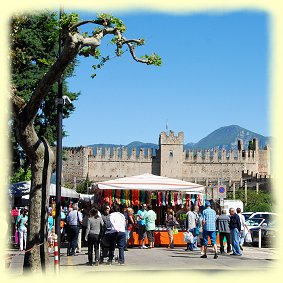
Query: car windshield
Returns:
{"type": "Point", "coordinates": [247, 215]}
{"type": "Point", "coordinates": [254, 221]}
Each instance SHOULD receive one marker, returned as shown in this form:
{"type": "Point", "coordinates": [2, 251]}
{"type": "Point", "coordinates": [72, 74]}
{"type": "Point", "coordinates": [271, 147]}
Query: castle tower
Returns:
{"type": "Point", "coordinates": [171, 155]}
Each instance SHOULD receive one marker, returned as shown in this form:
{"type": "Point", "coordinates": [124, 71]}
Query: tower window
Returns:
{"type": "Point", "coordinates": [171, 153]}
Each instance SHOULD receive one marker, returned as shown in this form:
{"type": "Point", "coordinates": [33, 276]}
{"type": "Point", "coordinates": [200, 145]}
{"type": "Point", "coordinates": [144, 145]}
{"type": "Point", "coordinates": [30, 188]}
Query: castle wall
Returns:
{"type": "Point", "coordinates": [76, 163]}
{"type": "Point", "coordinates": [264, 162]}
{"type": "Point", "coordinates": [170, 161]}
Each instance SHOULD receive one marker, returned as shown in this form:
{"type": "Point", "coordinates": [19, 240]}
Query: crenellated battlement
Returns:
{"type": "Point", "coordinates": [219, 156]}
{"type": "Point", "coordinates": [171, 138]}
{"type": "Point", "coordinates": [122, 154]}
{"type": "Point", "coordinates": [170, 160]}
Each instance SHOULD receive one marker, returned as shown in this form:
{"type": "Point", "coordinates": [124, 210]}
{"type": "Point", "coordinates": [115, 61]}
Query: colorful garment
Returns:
{"type": "Point", "coordinates": [118, 196]}
{"type": "Point", "coordinates": [179, 198]}
{"type": "Point", "coordinates": [159, 198]}
{"type": "Point", "coordinates": [163, 198]}
{"type": "Point", "coordinates": [188, 199]}
{"type": "Point", "coordinates": [183, 199]}
{"type": "Point", "coordinates": [135, 197]}
{"type": "Point", "coordinates": [123, 199]}
{"type": "Point", "coordinates": [142, 197]}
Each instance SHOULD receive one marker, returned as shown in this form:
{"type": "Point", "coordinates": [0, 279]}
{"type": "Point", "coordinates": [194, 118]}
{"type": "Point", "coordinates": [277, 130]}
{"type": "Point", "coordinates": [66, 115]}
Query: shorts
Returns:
{"type": "Point", "coordinates": [150, 235]}
{"type": "Point", "coordinates": [141, 232]}
{"type": "Point", "coordinates": [212, 236]}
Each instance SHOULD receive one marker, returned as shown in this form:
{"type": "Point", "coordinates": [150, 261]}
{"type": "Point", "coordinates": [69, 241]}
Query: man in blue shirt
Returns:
{"type": "Point", "coordinates": [209, 229]}
{"type": "Point", "coordinates": [141, 226]}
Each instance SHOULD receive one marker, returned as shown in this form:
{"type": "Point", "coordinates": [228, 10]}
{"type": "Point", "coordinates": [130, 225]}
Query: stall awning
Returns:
{"type": "Point", "coordinates": [150, 182]}
{"type": "Point", "coordinates": [22, 189]}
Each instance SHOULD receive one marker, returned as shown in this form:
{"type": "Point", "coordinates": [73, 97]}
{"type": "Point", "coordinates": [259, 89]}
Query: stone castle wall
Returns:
{"type": "Point", "coordinates": [171, 160]}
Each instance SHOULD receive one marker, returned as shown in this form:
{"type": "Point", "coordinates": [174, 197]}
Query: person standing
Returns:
{"type": "Point", "coordinates": [80, 221]}
{"type": "Point", "coordinates": [190, 225]}
{"type": "Point", "coordinates": [73, 219]}
{"type": "Point", "coordinates": [118, 222]}
{"type": "Point", "coordinates": [86, 215]}
{"type": "Point", "coordinates": [94, 225]}
{"type": "Point", "coordinates": [125, 213]}
{"type": "Point", "coordinates": [108, 237]}
{"type": "Point", "coordinates": [22, 224]}
{"type": "Point", "coordinates": [209, 229]}
{"type": "Point", "coordinates": [235, 230]}
{"type": "Point", "coordinates": [130, 227]}
{"type": "Point", "coordinates": [150, 217]}
{"type": "Point", "coordinates": [197, 229]}
{"type": "Point", "coordinates": [244, 227]}
{"type": "Point", "coordinates": [222, 224]}
{"type": "Point", "coordinates": [141, 226]}
{"type": "Point", "coordinates": [50, 222]}
{"type": "Point", "coordinates": [169, 223]}
{"type": "Point", "coordinates": [181, 216]}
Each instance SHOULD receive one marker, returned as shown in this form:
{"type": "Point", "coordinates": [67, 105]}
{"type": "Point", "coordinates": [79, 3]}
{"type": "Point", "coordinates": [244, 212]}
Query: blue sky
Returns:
{"type": "Point", "coordinates": [214, 74]}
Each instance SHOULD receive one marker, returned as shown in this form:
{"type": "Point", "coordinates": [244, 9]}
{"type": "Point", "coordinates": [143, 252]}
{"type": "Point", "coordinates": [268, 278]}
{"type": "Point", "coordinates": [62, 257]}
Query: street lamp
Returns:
{"type": "Point", "coordinates": [59, 149]}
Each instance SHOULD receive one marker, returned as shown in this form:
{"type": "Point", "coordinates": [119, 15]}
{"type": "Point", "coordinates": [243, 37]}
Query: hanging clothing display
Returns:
{"type": "Point", "coordinates": [188, 199]}
{"type": "Point", "coordinates": [123, 196]}
{"type": "Point", "coordinates": [142, 197]}
{"type": "Point", "coordinates": [135, 197]}
{"type": "Point", "coordinates": [128, 196]}
{"type": "Point", "coordinates": [159, 198]}
{"type": "Point", "coordinates": [118, 196]}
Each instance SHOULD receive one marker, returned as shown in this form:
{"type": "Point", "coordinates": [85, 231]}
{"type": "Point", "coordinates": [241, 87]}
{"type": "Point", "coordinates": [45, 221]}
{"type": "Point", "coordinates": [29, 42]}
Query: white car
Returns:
{"type": "Point", "coordinates": [268, 216]}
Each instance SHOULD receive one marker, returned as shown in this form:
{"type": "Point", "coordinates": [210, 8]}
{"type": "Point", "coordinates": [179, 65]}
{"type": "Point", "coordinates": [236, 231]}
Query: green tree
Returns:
{"type": "Point", "coordinates": [261, 201]}
{"type": "Point", "coordinates": [28, 105]}
{"type": "Point", "coordinates": [82, 187]}
{"type": "Point", "coordinates": [34, 47]}
{"type": "Point", "coordinates": [21, 175]}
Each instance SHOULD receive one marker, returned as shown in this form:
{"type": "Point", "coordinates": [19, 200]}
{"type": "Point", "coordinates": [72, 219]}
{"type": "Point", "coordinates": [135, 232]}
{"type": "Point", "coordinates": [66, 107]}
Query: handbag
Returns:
{"type": "Point", "coordinates": [188, 237]}
{"type": "Point", "coordinates": [248, 238]}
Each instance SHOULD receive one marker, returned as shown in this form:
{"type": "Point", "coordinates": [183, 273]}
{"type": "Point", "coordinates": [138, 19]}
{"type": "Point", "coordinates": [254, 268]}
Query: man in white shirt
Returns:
{"type": "Point", "coordinates": [118, 222]}
{"type": "Point", "coordinates": [190, 225]}
{"type": "Point", "coordinates": [244, 227]}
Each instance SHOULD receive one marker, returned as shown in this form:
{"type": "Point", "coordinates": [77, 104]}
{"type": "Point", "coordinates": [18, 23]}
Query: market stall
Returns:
{"type": "Point", "coordinates": [161, 192]}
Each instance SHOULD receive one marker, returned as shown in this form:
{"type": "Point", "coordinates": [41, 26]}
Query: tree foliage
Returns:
{"type": "Point", "coordinates": [34, 48]}
{"type": "Point", "coordinates": [261, 201]}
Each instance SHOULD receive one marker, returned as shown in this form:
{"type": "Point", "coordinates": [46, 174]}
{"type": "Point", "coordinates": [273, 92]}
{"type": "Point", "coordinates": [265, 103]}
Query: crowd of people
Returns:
{"type": "Point", "coordinates": [208, 223]}
{"type": "Point", "coordinates": [108, 228]}
{"type": "Point", "coordinates": [105, 229]}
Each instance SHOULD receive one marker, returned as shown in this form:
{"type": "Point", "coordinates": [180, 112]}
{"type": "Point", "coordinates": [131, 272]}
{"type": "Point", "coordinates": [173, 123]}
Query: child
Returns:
{"type": "Point", "coordinates": [51, 238]}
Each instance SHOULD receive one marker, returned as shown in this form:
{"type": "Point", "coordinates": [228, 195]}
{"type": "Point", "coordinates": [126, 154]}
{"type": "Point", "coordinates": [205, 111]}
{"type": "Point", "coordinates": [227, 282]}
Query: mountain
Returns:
{"type": "Point", "coordinates": [225, 137]}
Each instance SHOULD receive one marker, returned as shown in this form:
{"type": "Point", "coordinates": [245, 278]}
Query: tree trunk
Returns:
{"type": "Point", "coordinates": [42, 160]}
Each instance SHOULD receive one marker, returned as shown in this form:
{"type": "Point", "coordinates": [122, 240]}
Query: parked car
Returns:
{"type": "Point", "coordinates": [268, 228]}
{"type": "Point", "coordinates": [268, 216]}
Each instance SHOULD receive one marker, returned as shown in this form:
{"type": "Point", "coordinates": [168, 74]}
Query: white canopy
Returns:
{"type": "Point", "coordinates": [149, 182]}
{"type": "Point", "coordinates": [22, 189]}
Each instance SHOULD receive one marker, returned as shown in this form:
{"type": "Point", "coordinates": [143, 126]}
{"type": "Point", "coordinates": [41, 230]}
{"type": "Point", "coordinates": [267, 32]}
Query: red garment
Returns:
{"type": "Point", "coordinates": [14, 212]}
{"type": "Point", "coordinates": [188, 199]}
{"type": "Point", "coordinates": [106, 196]}
{"type": "Point", "coordinates": [118, 196]}
{"type": "Point", "coordinates": [175, 197]}
{"type": "Point", "coordinates": [159, 198]}
{"type": "Point", "coordinates": [135, 197]}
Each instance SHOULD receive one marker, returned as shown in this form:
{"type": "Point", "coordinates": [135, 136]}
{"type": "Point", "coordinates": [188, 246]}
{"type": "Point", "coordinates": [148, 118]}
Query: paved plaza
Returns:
{"type": "Point", "coordinates": [158, 259]}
